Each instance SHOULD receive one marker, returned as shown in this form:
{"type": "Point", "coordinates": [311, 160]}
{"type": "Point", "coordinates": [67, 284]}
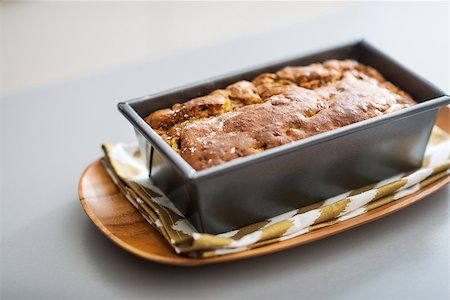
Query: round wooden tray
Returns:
{"type": "Point", "coordinates": [122, 223]}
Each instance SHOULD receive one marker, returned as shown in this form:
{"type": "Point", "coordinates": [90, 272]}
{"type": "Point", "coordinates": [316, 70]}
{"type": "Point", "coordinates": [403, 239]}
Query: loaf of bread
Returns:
{"type": "Point", "coordinates": [275, 109]}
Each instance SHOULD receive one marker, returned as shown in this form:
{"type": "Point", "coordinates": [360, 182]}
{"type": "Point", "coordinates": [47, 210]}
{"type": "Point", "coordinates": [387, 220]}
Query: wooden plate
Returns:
{"type": "Point", "coordinates": [122, 223]}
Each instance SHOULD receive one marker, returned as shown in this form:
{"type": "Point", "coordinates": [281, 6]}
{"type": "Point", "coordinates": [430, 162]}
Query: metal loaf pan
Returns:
{"type": "Point", "coordinates": [252, 188]}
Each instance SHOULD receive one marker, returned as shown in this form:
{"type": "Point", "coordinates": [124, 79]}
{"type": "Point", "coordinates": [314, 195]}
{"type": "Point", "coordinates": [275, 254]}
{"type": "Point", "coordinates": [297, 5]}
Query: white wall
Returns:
{"type": "Point", "coordinates": [48, 42]}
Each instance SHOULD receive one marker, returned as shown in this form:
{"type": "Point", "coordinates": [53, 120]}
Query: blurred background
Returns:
{"type": "Point", "coordinates": [46, 42]}
{"type": "Point", "coordinates": [49, 42]}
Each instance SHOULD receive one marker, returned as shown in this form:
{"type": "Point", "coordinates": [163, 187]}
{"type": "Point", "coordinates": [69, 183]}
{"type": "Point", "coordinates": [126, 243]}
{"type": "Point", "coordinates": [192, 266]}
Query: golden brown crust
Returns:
{"type": "Point", "coordinates": [217, 102]}
{"type": "Point", "coordinates": [243, 93]}
{"type": "Point", "coordinates": [202, 107]}
{"type": "Point", "coordinates": [275, 109]}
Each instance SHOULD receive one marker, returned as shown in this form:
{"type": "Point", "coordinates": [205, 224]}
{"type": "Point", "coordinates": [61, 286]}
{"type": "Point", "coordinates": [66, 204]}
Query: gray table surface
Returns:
{"type": "Point", "coordinates": [50, 249]}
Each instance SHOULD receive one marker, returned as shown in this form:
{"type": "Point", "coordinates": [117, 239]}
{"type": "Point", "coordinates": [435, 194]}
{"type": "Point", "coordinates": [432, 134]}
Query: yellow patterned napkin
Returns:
{"type": "Point", "coordinates": [127, 168]}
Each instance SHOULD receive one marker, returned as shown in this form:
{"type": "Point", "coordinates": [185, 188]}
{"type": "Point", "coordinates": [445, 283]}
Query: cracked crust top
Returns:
{"type": "Point", "coordinates": [275, 109]}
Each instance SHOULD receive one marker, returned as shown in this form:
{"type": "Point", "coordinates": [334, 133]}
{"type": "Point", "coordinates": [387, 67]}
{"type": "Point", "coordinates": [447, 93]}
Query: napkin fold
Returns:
{"type": "Point", "coordinates": [127, 168]}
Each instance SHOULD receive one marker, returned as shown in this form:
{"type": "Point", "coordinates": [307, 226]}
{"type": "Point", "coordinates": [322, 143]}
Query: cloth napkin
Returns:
{"type": "Point", "coordinates": [126, 166]}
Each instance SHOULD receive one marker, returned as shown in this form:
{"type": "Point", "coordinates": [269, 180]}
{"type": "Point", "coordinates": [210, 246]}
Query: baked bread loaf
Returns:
{"type": "Point", "coordinates": [275, 109]}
